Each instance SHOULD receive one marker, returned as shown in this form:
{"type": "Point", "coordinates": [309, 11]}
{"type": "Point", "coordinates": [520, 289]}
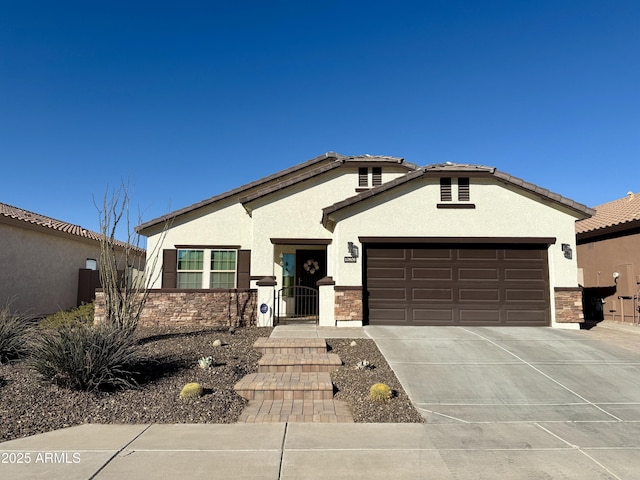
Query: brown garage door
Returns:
{"type": "Point", "coordinates": [469, 285]}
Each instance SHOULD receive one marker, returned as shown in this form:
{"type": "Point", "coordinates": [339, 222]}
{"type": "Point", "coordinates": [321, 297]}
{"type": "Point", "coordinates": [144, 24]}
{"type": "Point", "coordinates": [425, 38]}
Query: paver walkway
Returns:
{"type": "Point", "coordinates": [293, 384]}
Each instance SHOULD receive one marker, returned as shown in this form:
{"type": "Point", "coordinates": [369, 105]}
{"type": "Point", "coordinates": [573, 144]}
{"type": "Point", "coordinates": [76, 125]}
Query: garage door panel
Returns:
{"type": "Point", "coordinates": [431, 254]}
{"type": "Point", "coordinates": [479, 295]}
{"type": "Point", "coordinates": [383, 274]}
{"type": "Point", "coordinates": [464, 285]}
{"type": "Point", "coordinates": [384, 294]}
{"type": "Point", "coordinates": [525, 296]}
{"type": "Point", "coordinates": [527, 274]}
{"type": "Point", "coordinates": [485, 274]}
{"type": "Point", "coordinates": [473, 254]}
{"type": "Point", "coordinates": [438, 273]}
{"type": "Point", "coordinates": [479, 317]}
{"type": "Point", "coordinates": [432, 294]}
{"type": "Point", "coordinates": [423, 316]}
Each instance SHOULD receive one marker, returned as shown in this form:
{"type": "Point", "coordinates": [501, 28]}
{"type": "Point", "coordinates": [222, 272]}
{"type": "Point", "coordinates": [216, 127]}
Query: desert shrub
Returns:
{"type": "Point", "coordinates": [380, 392]}
{"type": "Point", "coordinates": [82, 314]}
{"type": "Point", "coordinates": [14, 334]}
{"type": "Point", "coordinates": [86, 357]}
{"type": "Point", "coordinates": [191, 390]}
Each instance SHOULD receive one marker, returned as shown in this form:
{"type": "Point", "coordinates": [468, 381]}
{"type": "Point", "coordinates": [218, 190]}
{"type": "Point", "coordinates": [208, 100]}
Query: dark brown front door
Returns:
{"type": "Point", "coordinates": [311, 266]}
{"type": "Point", "coordinates": [470, 285]}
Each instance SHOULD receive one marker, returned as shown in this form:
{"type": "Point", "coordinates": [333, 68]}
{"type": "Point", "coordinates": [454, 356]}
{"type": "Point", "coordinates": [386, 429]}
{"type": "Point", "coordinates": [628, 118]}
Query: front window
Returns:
{"type": "Point", "coordinates": [223, 269]}
{"type": "Point", "coordinates": [190, 265]}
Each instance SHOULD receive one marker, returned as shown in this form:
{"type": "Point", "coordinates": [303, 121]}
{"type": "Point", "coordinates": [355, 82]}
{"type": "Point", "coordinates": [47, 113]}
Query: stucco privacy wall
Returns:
{"type": "Point", "coordinates": [410, 211]}
{"type": "Point", "coordinates": [40, 270]}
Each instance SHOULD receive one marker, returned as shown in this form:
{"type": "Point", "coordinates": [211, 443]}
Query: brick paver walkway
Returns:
{"type": "Point", "coordinates": [293, 384]}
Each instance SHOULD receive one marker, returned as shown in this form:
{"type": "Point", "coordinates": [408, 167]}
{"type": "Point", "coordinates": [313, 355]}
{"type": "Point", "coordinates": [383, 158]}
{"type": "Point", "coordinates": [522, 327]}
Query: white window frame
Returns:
{"type": "Point", "coordinates": [234, 271]}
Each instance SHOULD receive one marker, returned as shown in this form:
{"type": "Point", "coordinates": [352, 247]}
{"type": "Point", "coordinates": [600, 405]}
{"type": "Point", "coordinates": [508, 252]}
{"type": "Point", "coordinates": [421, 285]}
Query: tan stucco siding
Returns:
{"type": "Point", "coordinates": [227, 225]}
{"type": "Point", "coordinates": [411, 211]}
{"type": "Point", "coordinates": [40, 269]}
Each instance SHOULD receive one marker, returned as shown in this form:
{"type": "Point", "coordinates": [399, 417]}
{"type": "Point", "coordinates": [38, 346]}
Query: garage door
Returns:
{"type": "Point", "coordinates": [472, 285]}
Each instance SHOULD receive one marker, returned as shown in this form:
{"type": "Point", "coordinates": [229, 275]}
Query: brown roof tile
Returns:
{"type": "Point", "coordinates": [21, 215]}
{"type": "Point", "coordinates": [612, 214]}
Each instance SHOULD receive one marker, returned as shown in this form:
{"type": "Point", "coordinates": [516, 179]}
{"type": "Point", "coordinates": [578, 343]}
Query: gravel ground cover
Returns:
{"type": "Point", "coordinates": [29, 406]}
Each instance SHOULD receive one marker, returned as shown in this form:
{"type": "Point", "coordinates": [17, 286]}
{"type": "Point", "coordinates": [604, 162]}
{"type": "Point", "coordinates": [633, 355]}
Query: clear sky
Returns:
{"type": "Point", "coordinates": [188, 99]}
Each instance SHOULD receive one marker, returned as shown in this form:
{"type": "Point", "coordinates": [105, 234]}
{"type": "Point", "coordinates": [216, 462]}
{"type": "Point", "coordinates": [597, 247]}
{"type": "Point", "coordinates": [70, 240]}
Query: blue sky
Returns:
{"type": "Point", "coordinates": [185, 100]}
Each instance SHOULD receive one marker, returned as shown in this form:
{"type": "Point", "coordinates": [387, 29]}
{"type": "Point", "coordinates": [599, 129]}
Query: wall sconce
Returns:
{"type": "Point", "coordinates": [354, 251]}
{"type": "Point", "coordinates": [568, 253]}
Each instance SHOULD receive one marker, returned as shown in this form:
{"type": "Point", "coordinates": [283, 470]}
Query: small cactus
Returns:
{"type": "Point", "coordinates": [205, 362]}
{"type": "Point", "coordinates": [216, 343]}
{"type": "Point", "coordinates": [380, 392]}
{"type": "Point", "coordinates": [191, 390]}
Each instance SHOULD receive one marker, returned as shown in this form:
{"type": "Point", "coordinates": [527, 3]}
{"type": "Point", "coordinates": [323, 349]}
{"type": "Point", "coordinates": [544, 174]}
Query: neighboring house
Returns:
{"type": "Point", "coordinates": [609, 260]}
{"type": "Point", "coordinates": [47, 265]}
{"type": "Point", "coordinates": [384, 241]}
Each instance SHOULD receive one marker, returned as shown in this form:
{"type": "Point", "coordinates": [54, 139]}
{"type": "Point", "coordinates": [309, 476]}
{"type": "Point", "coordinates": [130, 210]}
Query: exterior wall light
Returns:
{"type": "Point", "coordinates": [568, 253]}
{"type": "Point", "coordinates": [354, 251]}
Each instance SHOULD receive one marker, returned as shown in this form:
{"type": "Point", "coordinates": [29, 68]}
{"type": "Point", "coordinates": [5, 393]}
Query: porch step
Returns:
{"type": "Point", "coordinates": [286, 386]}
{"type": "Point", "coordinates": [297, 362]}
{"type": "Point", "coordinates": [266, 345]}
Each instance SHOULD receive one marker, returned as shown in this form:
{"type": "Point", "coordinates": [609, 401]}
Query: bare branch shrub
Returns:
{"type": "Point", "coordinates": [125, 277]}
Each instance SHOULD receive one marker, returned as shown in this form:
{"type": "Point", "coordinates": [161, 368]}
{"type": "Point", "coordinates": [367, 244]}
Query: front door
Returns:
{"type": "Point", "coordinates": [311, 266]}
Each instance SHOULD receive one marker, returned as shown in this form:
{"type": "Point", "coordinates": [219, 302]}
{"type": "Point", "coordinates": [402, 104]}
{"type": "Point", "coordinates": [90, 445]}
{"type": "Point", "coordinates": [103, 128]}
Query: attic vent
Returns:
{"type": "Point", "coordinates": [445, 189]}
{"type": "Point", "coordinates": [376, 175]}
{"type": "Point", "coordinates": [463, 189]}
{"type": "Point", "coordinates": [363, 173]}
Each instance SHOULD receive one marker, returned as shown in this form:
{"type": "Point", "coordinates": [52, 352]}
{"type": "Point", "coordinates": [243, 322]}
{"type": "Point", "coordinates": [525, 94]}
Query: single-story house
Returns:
{"type": "Point", "coordinates": [47, 265]}
{"type": "Point", "coordinates": [609, 260]}
{"type": "Point", "coordinates": [381, 242]}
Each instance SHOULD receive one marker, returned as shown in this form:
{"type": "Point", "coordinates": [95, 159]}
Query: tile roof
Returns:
{"type": "Point", "coordinates": [321, 163]}
{"type": "Point", "coordinates": [613, 214]}
{"type": "Point", "coordinates": [21, 215]}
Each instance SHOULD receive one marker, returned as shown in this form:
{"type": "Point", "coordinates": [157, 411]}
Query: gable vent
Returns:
{"type": "Point", "coordinates": [376, 176]}
{"type": "Point", "coordinates": [463, 189]}
{"type": "Point", "coordinates": [445, 189]}
{"type": "Point", "coordinates": [363, 173]}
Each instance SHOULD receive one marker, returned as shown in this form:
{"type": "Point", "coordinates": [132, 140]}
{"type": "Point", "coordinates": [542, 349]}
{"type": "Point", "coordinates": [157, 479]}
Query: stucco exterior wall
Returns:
{"type": "Point", "coordinates": [599, 259]}
{"type": "Point", "coordinates": [410, 211]}
{"type": "Point", "coordinates": [40, 269]}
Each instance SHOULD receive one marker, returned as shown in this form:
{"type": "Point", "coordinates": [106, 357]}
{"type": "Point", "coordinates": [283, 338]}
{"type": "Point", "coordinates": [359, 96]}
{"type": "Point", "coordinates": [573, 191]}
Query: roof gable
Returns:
{"type": "Point", "coordinates": [618, 214]}
{"type": "Point", "coordinates": [283, 179]}
{"type": "Point", "coordinates": [448, 168]}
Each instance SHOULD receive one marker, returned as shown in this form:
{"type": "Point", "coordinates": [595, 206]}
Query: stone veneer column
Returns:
{"type": "Point", "coordinates": [266, 291]}
{"type": "Point", "coordinates": [348, 306]}
{"type": "Point", "coordinates": [568, 305]}
{"type": "Point", "coordinates": [326, 306]}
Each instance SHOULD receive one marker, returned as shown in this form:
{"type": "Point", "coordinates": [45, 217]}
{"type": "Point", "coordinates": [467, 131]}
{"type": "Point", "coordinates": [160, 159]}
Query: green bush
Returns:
{"type": "Point", "coordinates": [380, 392]}
{"type": "Point", "coordinates": [191, 390]}
{"type": "Point", "coordinates": [14, 334]}
{"type": "Point", "coordinates": [82, 314]}
{"type": "Point", "coordinates": [86, 357]}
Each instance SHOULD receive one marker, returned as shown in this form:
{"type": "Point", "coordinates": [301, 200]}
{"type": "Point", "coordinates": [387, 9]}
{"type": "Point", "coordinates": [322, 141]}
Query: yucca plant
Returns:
{"type": "Point", "coordinates": [86, 357]}
{"type": "Point", "coordinates": [14, 333]}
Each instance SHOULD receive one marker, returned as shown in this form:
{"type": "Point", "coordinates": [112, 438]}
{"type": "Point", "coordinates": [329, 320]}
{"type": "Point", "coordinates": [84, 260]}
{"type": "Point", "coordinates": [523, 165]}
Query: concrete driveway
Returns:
{"type": "Point", "coordinates": [530, 387]}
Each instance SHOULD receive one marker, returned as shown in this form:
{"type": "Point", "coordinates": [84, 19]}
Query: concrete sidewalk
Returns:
{"type": "Point", "coordinates": [524, 404]}
{"type": "Point", "coordinates": [606, 450]}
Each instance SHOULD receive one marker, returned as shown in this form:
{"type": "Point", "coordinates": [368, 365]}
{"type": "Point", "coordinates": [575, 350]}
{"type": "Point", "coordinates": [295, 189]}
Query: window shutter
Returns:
{"type": "Point", "coordinates": [463, 189]}
{"type": "Point", "coordinates": [445, 189]}
{"type": "Point", "coordinates": [363, 173]}
{"type": "Point", "coordinates": [377, 176]}
{"type": "Point", "coordinates": [244, 269]}
{"type": "Point", "coordinates": [169, 268]}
